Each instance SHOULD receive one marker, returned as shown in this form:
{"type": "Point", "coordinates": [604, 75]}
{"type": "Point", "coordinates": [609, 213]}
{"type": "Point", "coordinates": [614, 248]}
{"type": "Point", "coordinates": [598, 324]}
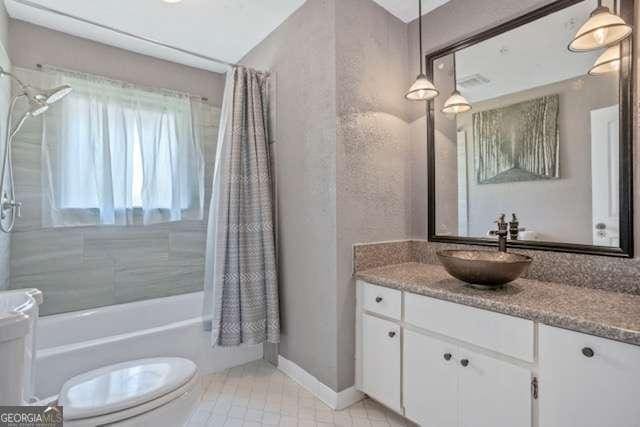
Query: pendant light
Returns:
{"type": "Point", "coordinates": [456, 103]}
{"type": "Point", "coordinates": [609, 60]}
{"type": "Point", "coordinates": [602, 29]}
{"type": "Point", "coordinates": [422, 89]}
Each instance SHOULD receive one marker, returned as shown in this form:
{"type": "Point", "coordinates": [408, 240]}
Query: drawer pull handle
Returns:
{"type": "Point", "coordinates": [447, 356]}
{"type": "Point", "coordinates": [378, 300]}
{"type": "Point", "coordinates": [392, 334]}
{"type": "Point", "coordinates": [588, 352]}
{"type": "Point", "coordinates": [464, 362]}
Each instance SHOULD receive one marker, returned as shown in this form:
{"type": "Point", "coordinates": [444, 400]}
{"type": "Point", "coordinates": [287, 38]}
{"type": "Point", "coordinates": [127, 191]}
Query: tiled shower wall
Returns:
{"type": "Point", "coordinates": [5, 90]}
{"type": "Point", "coordinates": [86, 267]}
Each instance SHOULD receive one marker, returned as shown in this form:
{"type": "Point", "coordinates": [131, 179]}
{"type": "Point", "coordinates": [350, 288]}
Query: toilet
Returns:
{"type": "Point", "coordinates": [159, 391]}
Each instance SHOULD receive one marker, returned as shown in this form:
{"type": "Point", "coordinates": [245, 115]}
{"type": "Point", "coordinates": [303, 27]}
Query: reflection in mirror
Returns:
{"type": "Point", "coordinates": [541, 140]}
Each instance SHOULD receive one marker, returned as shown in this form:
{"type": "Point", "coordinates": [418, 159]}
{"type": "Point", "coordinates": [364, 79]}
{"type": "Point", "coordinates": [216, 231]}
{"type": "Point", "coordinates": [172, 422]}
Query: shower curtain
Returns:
{"type": "Point", "coordinates": [241, 289]}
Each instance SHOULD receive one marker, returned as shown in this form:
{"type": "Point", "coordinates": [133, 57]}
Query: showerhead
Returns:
{"type": "Point", "coordinates": [49, 96]}
{"type": "Point", "coordinates": [36, 108]}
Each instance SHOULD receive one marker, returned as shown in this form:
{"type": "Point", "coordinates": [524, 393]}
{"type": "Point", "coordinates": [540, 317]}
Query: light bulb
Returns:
{"type": "Point", "coordinates": [616, 65]}
{"type": "Point", "coordinates": [600, 35]}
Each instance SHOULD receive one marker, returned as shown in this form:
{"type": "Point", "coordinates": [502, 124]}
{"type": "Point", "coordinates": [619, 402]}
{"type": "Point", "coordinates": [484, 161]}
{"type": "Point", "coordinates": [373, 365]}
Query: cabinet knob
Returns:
{"type": "Point", "coordinates": [464, 362]}
{"type": "Point", "coordinates": [378, 299]}
{"type": "Point", "coordinates": [447, 356]}
{"type": "Point", "coordinates": [392, 334]}
{"type": "Point", "coordinates": [588, 352]}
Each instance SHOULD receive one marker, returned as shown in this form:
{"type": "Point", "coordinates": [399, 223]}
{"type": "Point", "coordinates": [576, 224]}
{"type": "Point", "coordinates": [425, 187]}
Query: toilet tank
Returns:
{"type": "Point", "coordinates": [19, 311]}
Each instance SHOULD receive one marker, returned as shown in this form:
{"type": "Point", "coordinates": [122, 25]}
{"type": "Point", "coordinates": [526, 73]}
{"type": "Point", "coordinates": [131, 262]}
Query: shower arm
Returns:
{"type": "Point", "coordinates": [23, 86]}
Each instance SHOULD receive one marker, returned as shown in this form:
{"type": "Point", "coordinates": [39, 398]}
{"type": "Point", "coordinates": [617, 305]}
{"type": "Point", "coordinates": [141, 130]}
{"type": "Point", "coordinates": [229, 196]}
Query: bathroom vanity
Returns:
{"type": "Point", "coordinates": [532, 354]}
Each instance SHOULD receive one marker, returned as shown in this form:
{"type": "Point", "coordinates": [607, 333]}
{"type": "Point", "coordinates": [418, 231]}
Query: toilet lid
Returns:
{"type": "Point", "coordinates": [124, 385]}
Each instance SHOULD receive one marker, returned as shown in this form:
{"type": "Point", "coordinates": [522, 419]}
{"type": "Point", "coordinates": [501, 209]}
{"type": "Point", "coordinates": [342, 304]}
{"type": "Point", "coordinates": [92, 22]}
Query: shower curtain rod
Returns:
{"type": "Point", "coordinates": [46, 67]}
{"type": "Point", "coordinates": [33, 5]}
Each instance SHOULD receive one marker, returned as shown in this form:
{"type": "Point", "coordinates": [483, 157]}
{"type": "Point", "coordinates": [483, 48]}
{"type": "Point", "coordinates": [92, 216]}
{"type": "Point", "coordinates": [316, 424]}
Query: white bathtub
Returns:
{"type": "Point", "coordinates": [72, 343]}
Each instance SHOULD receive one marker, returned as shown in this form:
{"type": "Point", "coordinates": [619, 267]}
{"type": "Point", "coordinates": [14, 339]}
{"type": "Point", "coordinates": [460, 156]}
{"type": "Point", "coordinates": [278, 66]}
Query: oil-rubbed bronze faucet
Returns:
{"type": "Point", "coordinates": [502, 232]}
{"type": "Point", "coordinates": [514, 227]}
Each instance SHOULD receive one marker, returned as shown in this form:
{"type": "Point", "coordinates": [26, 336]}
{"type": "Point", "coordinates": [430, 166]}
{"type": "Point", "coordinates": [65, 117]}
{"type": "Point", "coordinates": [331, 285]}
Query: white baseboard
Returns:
{"type": "Point", "coordinates": [333, 399]}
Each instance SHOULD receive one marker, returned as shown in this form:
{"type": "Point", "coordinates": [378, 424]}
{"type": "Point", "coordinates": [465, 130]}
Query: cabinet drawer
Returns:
{"type": "Point", "coordinates": [381, 300]}
{"type": "Point", "coordinates": [498, 332]}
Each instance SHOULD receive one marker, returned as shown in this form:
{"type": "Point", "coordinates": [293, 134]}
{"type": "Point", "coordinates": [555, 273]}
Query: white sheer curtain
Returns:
{"type": "Point", "coordinates": [116, 154]}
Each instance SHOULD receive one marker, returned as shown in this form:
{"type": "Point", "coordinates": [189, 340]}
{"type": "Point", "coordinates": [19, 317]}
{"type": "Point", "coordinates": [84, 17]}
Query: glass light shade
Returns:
{"type": "Point", "coordinates": [421, 90]}
{"type": "Point", "coordinates": [602, 29]}
{"type": "Point", "coordinates": [608, 62]}
{"type": "Point", "coordinates": [456, 104]}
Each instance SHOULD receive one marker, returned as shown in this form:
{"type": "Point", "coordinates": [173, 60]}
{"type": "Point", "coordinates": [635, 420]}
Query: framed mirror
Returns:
{"type": "Point", "coordinates": [544, 139]}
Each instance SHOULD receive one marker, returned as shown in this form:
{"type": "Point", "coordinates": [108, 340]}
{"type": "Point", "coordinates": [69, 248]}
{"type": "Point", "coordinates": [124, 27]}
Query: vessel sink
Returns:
{"type": "Point", "coordinates": [484, 269]}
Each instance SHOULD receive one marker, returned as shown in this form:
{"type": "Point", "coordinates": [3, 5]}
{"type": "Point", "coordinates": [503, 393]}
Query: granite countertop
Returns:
{"type": "Point", "coordinates": [605, 314]}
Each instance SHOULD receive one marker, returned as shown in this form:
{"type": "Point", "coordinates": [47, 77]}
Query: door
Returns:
{"type": "Point", "coordinates": [430, 381]}
{"type": "Point", "coordinates": [493, 393]}
{"type": "Point", "coordinates": [586, 381]}
{"type": "Point", "coordinates": [381, 361]}
{"type": "Point", "coordinates": [605, 184]}
{"type": "Point", "coordinates": [463, 199]}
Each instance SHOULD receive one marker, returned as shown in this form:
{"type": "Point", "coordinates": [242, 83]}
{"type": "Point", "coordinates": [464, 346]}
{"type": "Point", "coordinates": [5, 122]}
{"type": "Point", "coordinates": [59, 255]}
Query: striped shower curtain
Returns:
{"type": "Point", "coordinates": [241, 287]}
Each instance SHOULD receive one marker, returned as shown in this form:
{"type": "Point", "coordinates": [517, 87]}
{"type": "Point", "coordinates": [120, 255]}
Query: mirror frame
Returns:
{"type": "Point", "coordinates": [626, 97]}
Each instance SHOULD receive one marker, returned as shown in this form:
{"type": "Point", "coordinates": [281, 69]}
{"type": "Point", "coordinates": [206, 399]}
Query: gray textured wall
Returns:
{"type": "Point", "coordinates": [451, 22]}
{"type": "Point", "coordinates": [443, 26]}
{"type": "Point", "coordinates": [30, 45]}
{"type": "Point", "coordinates": [82, 267]}
{"type": "Point", "coordinates": [5, 91]}
{"type": "Point", "coordinates": [341, 150]}
{"type": "Point", "coordinates": [301, 57]}
{"type": "Point", "coordinates": [558, 218]}
{"type": "Point", "coordinates": [372, 152]}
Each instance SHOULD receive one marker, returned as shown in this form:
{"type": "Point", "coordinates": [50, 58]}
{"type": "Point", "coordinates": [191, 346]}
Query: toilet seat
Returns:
{"type": "Point", "coordinates": [126, 389]}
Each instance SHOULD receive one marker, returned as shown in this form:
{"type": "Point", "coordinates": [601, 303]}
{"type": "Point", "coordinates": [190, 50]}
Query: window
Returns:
{"type": "Point", "coordinates": [117, 154]}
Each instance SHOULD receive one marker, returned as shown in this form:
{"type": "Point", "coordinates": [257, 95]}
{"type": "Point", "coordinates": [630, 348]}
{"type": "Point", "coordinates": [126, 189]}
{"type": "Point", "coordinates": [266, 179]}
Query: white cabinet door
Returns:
{"type": "Point", "coordinates": [381, 361]}
{"type": "Point", "coordinates": [493, 393]}
{"type": "Point", "coordinates": [587, 381]}
{"type": "Point", "coordinates": [430, 381]}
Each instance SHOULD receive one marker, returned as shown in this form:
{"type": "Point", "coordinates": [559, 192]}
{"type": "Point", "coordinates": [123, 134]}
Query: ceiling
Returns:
{"type": "Point", "coordinates": [537, 50]}
{"type": "Point", "coordinates": [222, 29]}
{"type": "Point", "coordinates": [407, 10]}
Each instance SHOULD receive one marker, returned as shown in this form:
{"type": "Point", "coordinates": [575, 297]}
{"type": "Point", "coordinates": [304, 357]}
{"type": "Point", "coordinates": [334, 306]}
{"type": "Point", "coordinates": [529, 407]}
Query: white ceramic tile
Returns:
{"type": "Point", "coordinates": [237, 412]}
{"type": "Point", "coordinates": [257, 394]}
{"type": "Point", "coordinates": [271, 419]}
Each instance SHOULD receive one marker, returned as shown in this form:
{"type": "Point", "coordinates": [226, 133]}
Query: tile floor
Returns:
{"type": "Point", "coordinates": [257, 394]}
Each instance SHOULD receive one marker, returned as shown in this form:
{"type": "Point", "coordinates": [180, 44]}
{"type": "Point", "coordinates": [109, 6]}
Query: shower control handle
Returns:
{"type": "Point", "coordinates": [13, 205]}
